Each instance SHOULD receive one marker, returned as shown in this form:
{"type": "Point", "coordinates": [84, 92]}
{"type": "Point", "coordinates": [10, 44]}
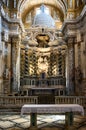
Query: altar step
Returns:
{"type": "Point", "coordinates": [11, 111]}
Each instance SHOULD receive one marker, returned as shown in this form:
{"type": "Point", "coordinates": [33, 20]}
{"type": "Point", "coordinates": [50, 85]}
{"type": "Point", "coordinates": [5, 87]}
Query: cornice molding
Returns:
{"type": "Point", "coordinates": [74, 22]}
{"type": "Point", "coordinates": [11, 21]}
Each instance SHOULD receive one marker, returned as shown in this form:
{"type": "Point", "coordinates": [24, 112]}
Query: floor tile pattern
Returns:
{"type": "Point", "coordinates": [7, 122]}
{"type": "Point", "coordinates": [18, 122]}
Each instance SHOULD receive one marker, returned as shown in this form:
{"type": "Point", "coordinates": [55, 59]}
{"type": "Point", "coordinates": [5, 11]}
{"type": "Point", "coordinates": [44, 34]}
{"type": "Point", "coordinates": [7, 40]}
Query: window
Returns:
{"type": "Point", "coordinates": [4, 1]}
{"type": "Point", "coordinates": [77, 3]}
{"type": "Point", "coordinates": [70, 3]}
{"type": "Point", "coordinates": [42, 8]}
{"type": "Point", "coordinates": [7, 3]}
{"type": "Point", "coordinates": [15, 3]}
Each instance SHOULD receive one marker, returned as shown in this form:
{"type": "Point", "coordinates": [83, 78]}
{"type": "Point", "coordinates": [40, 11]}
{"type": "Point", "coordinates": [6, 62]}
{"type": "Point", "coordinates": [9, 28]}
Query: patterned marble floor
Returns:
{"type": "Point", "coordinates": [54, 122]}
{"type": "Point", "coordinates": [16, 122]}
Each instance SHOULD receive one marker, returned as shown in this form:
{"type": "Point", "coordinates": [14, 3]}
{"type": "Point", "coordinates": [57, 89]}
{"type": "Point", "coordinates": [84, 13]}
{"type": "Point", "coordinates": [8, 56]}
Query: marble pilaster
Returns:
{"type": "Point", "coordinates": [15, 50]}
{"type": "Point", "coordinates": [85, 54]}
{"type": "Point", "coordinates": [70, 69]}
{"type": "Point", "coordinates": [1, 78]}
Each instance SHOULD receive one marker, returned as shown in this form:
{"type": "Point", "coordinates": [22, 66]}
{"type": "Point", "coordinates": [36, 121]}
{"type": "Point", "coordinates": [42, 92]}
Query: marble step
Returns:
{"type": "Point", "coordinates": [10, 111]}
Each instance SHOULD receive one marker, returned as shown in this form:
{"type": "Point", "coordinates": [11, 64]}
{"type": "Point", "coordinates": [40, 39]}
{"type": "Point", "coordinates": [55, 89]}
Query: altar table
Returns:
{"type": "Point", "coordinates": [67, 109]}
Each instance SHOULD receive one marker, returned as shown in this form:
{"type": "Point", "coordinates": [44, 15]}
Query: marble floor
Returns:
{"type": "Point", "coordinates": [18, 122]}
{"type": "Point", "coordinates": [7, 122]}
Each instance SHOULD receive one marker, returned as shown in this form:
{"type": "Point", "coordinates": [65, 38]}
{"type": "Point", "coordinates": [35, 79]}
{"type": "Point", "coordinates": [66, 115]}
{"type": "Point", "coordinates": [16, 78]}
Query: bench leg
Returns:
{"type": "Point", "coordinates": [69, 119]}
{"type": "Point", "coordinates": [33, 121]}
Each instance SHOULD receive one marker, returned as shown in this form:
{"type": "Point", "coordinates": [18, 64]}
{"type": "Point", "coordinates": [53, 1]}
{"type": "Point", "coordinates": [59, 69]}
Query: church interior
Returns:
{"type": "Point", "coordinates": [42, 61]}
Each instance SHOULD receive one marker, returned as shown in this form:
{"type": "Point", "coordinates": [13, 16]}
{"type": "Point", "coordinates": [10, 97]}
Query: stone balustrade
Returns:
{"type": "Point", "coordinates": [17, 100]}
{"type": "Point", "coordinates": [21, 100]}
{"type": "Point", "coordinates": [81, 100]}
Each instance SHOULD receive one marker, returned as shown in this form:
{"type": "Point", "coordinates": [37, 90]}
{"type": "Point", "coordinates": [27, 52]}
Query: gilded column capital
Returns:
{"type": "Point", "coordinates": [71, 40]}
{"type": "Point", "coordinates": [70, 44]}
{"type": "Point", "coordinates": [15, 40]}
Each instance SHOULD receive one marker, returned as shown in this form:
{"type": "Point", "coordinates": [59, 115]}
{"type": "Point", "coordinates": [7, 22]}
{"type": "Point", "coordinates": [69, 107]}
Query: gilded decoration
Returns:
{"type": "Point", "coordinates": [43, 46]}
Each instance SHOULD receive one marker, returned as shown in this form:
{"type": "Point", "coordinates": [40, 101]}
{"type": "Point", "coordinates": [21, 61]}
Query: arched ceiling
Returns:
{"type": "Point", "coordinates": [24, 6]}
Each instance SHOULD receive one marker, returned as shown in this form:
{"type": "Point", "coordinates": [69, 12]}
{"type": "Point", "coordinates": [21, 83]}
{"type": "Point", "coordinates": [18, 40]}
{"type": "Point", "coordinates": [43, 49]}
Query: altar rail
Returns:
{"type": "Point", "coordinates": [17, 100]}
{"type": "Point", "coordinates": [81, 100]}
{"type": "Point", "coordinates": [21, 100]}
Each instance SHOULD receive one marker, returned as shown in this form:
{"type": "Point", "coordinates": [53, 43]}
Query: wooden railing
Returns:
{"type": "Point", "coordinates": [81, 100]}
{"type": "Point", "coordinates": [17, 100]}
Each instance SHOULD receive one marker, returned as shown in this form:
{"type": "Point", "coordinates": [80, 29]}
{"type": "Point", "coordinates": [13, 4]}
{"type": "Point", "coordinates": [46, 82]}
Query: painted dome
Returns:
{"type": "Point", "coordinates": [43, 19]}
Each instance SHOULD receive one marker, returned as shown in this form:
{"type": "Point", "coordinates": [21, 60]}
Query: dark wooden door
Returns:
{"type": "Point", "coordinates": [46, 99]}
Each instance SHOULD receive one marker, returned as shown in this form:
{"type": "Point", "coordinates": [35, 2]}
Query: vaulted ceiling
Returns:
{"type": "Point", "coordinates": [25, 6]}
